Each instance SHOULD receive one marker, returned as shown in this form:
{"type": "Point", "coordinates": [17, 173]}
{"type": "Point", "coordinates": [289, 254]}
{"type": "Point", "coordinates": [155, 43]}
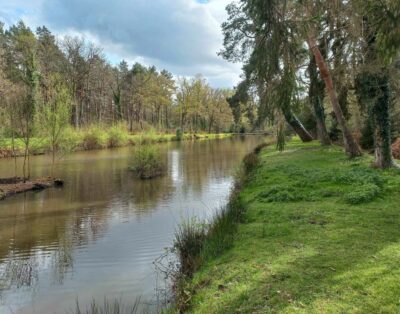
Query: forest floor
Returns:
{"type": "Point", "coordinates": [96, 139]}
{"type": "Point", "coordinates": [321, 234]}
{"type": "Point", "coordinates": [12, 186]}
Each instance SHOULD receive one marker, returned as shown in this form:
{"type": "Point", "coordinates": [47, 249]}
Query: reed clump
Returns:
{"type": "Point", "coordinates": [148, 163]}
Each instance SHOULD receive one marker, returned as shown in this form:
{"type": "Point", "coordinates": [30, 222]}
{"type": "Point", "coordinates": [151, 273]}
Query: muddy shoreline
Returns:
{"type": "Point", "coordinates": [13, 186]}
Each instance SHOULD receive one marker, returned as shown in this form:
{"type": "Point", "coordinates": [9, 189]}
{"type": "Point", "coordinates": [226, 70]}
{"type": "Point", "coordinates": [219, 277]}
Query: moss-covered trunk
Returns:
{"type": "Point", "coordinates": [316, 96]}
{"type": "Point", "coordinates": [373, 93]}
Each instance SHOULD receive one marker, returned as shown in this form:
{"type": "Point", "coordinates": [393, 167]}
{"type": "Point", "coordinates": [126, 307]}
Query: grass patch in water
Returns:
{"type": "Point", "coordinates": [147, 162]}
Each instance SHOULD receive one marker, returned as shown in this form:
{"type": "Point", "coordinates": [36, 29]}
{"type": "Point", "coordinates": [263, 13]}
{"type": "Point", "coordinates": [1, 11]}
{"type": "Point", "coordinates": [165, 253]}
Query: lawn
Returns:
{"type": "Point", "coordinates": [321, 234]}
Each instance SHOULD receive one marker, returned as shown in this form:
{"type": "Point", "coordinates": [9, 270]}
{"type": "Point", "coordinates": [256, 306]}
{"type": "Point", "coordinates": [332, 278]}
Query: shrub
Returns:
{"type": "Point", "coordinates": [70, 140]}
{"type": "Point", "coordinates": [147, 162]}
{"type": "Point", "coordinates": [117, 136]}
{"type": "Point", "coordinates": [280, 193]}
{"type": "Point", "coordinates": [149, 137]}
{"type": "Point", "coordinates": [179, 134]}
{"type": "Point", "coordinates": [259, 148]}
{"type": "Point", "coordinates": [250, 161]}
{"type": "Point", "coordinates": [362, 194]}
{"type": "Point", "coordinates": [94, 138]}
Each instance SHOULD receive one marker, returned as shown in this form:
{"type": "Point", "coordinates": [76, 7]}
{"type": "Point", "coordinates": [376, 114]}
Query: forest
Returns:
{"type": "Point", "coordinates": [277, 195]}
{"type": "Point", "coordinates": [310, 226]}
{"type": "Point", "coordinates": [329, 70]}
{"type": "Point", "coordinates": [53, 90]}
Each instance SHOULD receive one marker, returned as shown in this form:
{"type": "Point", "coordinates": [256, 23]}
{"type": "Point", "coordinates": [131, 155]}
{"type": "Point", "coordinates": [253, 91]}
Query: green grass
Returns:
{"type": "Point", "coordinates": [320, 234]}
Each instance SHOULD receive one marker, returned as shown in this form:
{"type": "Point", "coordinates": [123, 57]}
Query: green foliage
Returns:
{"type": "Point", "coordinates": [250, 161]}
{"type": "Point", "coordinates": [367, 135]}
{"type": "Point", "coordinates": [364, 193]}
{"type": "Point", "coordinates": [280, 193]}
{"type": "Point", "coordinates": [147, 162]}
{"type": "Point", "coordinates": [71, 140]}
{"type": "Point", "coordinates": [179, 134]}
{"type": "Point", "coordinates": [117, 136]}
{"type": "Point", "coordinates": [94, 137]}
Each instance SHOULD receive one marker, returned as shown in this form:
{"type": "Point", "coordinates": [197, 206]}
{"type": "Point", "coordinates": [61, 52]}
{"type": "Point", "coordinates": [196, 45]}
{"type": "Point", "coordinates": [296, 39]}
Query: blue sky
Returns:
{"type": "Point", "coordinates": [182, 36]}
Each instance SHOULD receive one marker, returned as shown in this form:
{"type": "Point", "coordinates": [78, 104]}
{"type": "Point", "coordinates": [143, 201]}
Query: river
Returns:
{"type": "Point", "coordinates": [99, 235]}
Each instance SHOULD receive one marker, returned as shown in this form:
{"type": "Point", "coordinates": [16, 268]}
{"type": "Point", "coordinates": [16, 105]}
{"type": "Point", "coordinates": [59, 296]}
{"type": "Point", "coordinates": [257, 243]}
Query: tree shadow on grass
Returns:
{"type": "Point", "coordinates": [348, 265]}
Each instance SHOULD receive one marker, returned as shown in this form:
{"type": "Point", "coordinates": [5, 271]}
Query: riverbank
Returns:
{"type": "Point", "coordinates": [99, 138]}
{"type": "Point", "coordinates": [318, 233]}
{"type": "Point", "coordinates": [13, 186]}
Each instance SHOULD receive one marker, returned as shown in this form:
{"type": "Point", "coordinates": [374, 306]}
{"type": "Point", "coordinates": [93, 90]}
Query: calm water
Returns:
{"type": "Point", "coordinates": [99, 235]}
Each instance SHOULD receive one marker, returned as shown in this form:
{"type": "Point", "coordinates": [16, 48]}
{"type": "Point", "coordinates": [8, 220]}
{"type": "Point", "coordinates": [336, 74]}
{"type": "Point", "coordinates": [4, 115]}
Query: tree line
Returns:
{"type": "Point", "coordinates": [328, 69]}
{"type": "Point", "coordinates": [48, 85]}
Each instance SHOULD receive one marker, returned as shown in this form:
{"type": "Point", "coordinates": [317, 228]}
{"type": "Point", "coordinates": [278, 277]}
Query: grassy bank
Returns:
{"type": "Point", "coordinates": [99, 138]}
{"type": "Point", "coordinates": [318, 234]}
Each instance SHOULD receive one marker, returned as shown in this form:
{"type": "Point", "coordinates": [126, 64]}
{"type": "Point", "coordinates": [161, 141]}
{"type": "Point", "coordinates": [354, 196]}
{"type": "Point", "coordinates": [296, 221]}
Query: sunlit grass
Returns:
{"type": "Point", "coordinates": [320, 234]}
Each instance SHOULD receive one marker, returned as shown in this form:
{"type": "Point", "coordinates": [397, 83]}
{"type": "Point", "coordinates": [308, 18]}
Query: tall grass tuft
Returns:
{"type": "Point", "coordinates": [147, 162]}
{"type": "Point", "coordinates": [250, 161]}
{"type": "Point", "coordinates": [196, 242]}
{"type": "Point", "coordinates": [109, 307]}
{"type": "Point", "coordinates": [189, 241]}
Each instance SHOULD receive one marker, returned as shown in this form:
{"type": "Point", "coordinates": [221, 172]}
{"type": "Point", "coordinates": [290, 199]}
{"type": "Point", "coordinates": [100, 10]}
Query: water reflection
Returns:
{"type": "Point", "coordinates": [100, 234]}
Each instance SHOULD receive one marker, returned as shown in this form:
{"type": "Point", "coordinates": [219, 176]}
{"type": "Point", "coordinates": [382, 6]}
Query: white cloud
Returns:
{"type": "Point", "coordinates": [182, 36]}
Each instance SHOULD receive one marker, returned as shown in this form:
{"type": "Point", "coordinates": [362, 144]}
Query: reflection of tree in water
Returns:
{"type": "Point", "coordinates": [50, 240]}
{"type": "Point", "coordinates": [43, 230]}
{"type": "Point", "coordinates": [19, 272]}
{"type": "Point", "coordinates": [206, 160]}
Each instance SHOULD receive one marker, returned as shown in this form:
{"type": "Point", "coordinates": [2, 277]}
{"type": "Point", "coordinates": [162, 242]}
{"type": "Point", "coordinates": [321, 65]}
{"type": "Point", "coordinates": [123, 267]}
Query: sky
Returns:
{"type": "Point", "coordinates": [182, 36]}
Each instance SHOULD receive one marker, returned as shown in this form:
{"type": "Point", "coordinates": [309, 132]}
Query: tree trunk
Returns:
{"type": "Point", "coordinates": [297, 126]}
{"type": "Point", "coordinates": [351, 146]}
{"type": "Point", "coordinates": [316, 95]}
{"type": "Point", "coordinates": [381, 123]}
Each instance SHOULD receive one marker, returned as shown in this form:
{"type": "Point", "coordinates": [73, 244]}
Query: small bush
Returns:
{"type": "Point", "coordinates": [149, 137]}
{"type": "Point", "coordinates": [70, 140]}
{"type": "Point", "coordinates": [250, 161]}
{"type": "Point", "coordinates": [179, 134]}
{"type": "Point", "coordinates": [259, 148]}
{"type": "Point", "coordinates": [94, 138]}
{"type": "Point", "coordinates": [147, 162]}
{"type": "Point", "coordinates": [362, 194]}
{"type": "Point", "coordinates": [117, 136]}
{"type": "Point", "coordinates": [280, 193]}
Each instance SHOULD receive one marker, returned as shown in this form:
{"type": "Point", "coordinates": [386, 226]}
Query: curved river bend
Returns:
{"type": "Point", "coordinates": [99, 235]}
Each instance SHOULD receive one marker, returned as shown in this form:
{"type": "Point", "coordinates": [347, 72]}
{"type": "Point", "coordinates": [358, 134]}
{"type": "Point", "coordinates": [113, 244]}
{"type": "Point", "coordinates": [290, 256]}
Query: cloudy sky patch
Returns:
{"type": "Point", "coordinates": [182, 36]}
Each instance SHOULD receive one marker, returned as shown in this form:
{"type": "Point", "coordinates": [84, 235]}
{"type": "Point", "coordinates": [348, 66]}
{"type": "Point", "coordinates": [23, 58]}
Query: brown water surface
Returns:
{"type": "Point", "coordinates": [99, 235]}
